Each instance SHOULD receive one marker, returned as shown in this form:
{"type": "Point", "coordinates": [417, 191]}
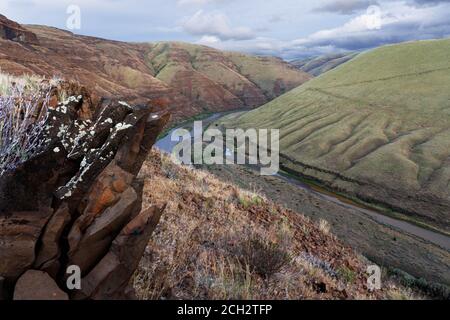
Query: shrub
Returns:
{"type": "Point", "coordinates": [248, 201]}
{"type": "Point", "coordinates": [436, 290]}
{"type": "Point", "coordinates": [23, 111]}
{"type": "Point", "coordinates": [263, 257]}
{"type": "Point", "coordinates": [319, 263]}
{"type": "Point", "coordinates": [324, 226]}
{"type": "Point", "coordinates": [347, 274]}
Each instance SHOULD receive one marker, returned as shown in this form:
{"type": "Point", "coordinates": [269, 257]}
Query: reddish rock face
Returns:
{"type": "Point", "coordinates": [194, 78]}
{"type": "Point", "coordinates": [87, 202]}
{"type": "Point", "coordinates": [19, 234]}
{"type": "Point", "coordinates": [50, 251]}
{"type": "Point", "coordinates": [107, 280]}
{"type": "Point", "coordinates": [10, 30]}
{"type": "Point", "coordinates": [38, 285]}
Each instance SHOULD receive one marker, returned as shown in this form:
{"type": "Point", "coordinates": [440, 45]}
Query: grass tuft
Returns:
{"type": "Point", "coordinates": [263, 257]}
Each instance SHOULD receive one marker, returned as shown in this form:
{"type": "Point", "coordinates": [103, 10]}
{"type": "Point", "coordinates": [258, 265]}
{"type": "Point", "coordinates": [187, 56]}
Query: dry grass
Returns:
{"type": "Point", "coordinates": [324, 226]}
{"type": "Point", "coordinates": [216, 241]}
{"type": "Point", "coordinates": [32, 83]}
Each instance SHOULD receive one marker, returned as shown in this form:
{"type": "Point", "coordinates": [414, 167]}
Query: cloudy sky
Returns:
{"type": "Point", "coordinates": [287, 28]}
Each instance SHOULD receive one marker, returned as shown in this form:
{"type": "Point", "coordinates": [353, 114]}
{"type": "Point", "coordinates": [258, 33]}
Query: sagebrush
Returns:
{"type": "Point", "coordinates": [23, 111]}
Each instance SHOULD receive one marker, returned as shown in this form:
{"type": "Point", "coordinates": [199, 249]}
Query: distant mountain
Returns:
{"type": "Point", "coordinates": [318, 65]}
{"type": "Point", "coordinates": [194, 78]}
{"type": "Point", "coordinates": [377, 128]}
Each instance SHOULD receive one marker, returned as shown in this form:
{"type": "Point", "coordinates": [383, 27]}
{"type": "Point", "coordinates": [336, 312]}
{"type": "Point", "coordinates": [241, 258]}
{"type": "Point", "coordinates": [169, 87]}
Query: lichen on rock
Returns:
{"type": "Point", "coordinates": [74, 201]}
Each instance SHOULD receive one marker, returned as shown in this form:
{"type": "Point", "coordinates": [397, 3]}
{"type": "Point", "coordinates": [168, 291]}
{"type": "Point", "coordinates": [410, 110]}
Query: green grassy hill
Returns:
{"type": "Point", "coordinates": [377, 127]}
{"type": "Point", "coordinates": [321, 64]}
{"type": "Point", "coordinates": [318, 65]}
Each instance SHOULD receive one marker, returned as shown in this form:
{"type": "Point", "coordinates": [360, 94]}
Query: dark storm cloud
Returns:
{"type": "Point", "coordinates": [346, 7]}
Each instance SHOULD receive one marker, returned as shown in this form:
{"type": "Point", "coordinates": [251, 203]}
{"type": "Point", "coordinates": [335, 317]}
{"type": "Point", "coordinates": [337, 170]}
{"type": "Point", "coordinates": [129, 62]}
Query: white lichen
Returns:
{"type": "Point", "coordinates": [122, 126]}
{"type": "Point", "coordinates": [83, 163]}
{"type": "Point", "coordinates": [67, 195]}
{"type": "Point", "coordinates": [123, 103]}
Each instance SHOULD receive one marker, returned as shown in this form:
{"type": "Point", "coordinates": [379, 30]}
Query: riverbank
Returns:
{"type": "Point", "coordinates": [381, 243]}
{"type": "Point", "coordinates": [382, 214]}
{"type": "Point", "coordinates": [218, 241]}
{"type": "Point", "coordinates": [384, 240]}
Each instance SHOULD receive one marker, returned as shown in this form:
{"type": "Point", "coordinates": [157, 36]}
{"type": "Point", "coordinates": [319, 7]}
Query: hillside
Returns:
{"type": "Point", "coordinates": [317, 65]}
{"type": "Point", "coordinates": [218, 241]}
{"type": "Point", "coordinates": [377, 128]}
{"type": "Point", "coordinates": [98, 208]}
{"type": "Point", "coordinates": [195, 78]}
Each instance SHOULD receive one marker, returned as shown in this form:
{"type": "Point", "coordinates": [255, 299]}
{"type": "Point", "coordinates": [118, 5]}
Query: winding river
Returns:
{"type": "Point", "coordinates": [165, 144]}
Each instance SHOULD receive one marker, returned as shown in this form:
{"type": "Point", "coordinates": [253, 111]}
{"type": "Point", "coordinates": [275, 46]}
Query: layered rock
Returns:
{"type": "Point", "coordinates": [77, 201]}
{"type": "Point", "coordinates": [10, 30]}
{"type": "Point", "coordinates": [38, 285]}
{"type": "Point", "coordinates": [196, 79]}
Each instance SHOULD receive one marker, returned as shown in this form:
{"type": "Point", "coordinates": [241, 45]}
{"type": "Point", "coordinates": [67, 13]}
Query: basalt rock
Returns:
{"type": "Point", "coordinates": [10, 30]}
{"type": "Point", "coordinates": [109, 278]}
{"type": "Point", "coordinates": [38, 285]}
{"type": "Point", "coordinates": [77, 201]}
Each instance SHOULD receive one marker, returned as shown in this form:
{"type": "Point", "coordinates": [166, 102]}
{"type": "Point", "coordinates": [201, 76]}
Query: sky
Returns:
{"type": "Point", "coordinates": [286, 28]}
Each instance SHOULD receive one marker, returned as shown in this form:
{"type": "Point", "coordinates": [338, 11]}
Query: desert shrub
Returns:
{"type": "Point", "coordinates": [319, 263]}
{"type": "Point", "coordinates": [234, 281]}
{"type": "Point", "coordinates": [263, 257]}
{"type": "Point", "coordinates": [346, 274]}
{"type": "Point", "coordinates": [324, 226]}
{"type": "Point", "coordinates": [435, 290]}
{"type": "Point", "coordinates": [248, 201]}
{"type": "Point", "coordinates": [23, 111]}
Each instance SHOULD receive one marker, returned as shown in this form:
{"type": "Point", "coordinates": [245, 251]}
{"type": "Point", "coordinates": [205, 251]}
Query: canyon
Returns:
{"type": "Point", "coordinates": [191, 79]}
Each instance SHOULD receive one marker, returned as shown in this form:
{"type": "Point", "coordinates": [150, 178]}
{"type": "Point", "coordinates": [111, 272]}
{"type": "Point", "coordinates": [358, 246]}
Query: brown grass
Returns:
{"type": "Point", "coordinates": [217, 241]}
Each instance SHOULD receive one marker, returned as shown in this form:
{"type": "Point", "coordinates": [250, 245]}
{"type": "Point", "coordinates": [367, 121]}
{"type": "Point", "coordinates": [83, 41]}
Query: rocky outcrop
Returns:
{"type": "Point", "coordinates": [77, 202]}
{"type": "Point", "coordinates": [10, 30]}
{"type": "Point", "coordinates": [38, 285]}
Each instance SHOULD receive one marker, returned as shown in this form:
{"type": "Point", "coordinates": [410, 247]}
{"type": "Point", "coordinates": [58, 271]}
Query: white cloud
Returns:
{"type": "Point", "coordinates": [209, 40]}
{"type": "Point", "coordinates": [198, 2]}
{"type": "Point", "coordinates": [192, 2]}
{"type": "Point", "coordinates": [287, 28]}
{"type": "Point", "coordinates": [215, 24]}
{"type": "Point", "coordinates": [399, 22]}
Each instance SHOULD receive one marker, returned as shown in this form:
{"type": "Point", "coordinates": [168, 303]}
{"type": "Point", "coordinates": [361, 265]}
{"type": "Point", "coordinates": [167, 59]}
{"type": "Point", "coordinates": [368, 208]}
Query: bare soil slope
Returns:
{"type": "Point", "coordinates": [217, 241]}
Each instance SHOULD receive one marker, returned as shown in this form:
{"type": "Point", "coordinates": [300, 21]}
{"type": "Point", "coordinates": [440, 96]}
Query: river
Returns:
{"type": "Point", "coordinates": [165, 144]}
